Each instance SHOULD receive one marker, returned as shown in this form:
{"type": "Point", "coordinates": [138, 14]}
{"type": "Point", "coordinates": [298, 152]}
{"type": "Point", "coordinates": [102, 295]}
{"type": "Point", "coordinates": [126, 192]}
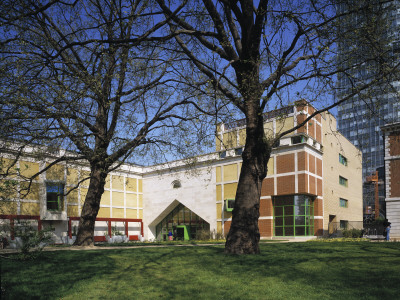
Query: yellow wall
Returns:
{"type": "Point", "coordinates": [72, 176]}
{"type": "Point", "coordinates": [117, 212]}
{"type": "Point", "coordinates": [28, 169]}
{"type": "Point", "coordinates": [230, 172]}
{"type": "Point", "coordinates": [56, 172]}
{"type": "Point", "coordinates": [72, 211]}
{"type": "Point", "coordinates": [131, 213]}
{"type": "Point", "coordinates": [105, 198]}
{"type": "Point", "coordinates": [104, 212]}
{"type": "Point", "coordinates": [32, 209]}
{"type": "Point", "coordinates": [218, 174]}
{"type": "Point", "coordinates": [131, 184]}
{"type": "Point", "coordinates": [284, 124]}
{"type": "Point", "coordinates": [117, 182]}
{"type": "Point", "coordinates": [230, 139]}
{"type": "Point", "coordinates": [117, 199]}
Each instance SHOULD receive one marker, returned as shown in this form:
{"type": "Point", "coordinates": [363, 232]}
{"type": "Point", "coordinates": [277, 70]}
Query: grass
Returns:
{"type": "Point", "coordinates": [334, 270]}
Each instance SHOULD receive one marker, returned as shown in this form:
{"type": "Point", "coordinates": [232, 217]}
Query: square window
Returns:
{"type": "Point", "coordinates": [54, 196]}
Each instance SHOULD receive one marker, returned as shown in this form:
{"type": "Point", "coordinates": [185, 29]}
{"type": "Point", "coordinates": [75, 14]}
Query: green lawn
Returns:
{"type": "Point", "coordinates": [310, 270]}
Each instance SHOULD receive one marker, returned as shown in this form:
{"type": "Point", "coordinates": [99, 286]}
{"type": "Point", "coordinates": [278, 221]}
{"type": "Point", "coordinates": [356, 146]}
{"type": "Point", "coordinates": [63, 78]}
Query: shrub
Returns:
{"type": "Point", "coordinates": [352, 233]}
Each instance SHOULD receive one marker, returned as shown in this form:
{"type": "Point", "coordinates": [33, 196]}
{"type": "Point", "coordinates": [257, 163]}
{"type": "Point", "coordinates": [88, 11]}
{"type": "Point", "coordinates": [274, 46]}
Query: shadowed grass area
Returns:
{"type": "Point", "coordinates": [283, 271]}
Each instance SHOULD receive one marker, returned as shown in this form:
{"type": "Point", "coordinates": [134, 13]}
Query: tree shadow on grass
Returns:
{"type": "Point", "coordinates": [282, 271]}
{"type": "Point", "coordinates": [51, 275]}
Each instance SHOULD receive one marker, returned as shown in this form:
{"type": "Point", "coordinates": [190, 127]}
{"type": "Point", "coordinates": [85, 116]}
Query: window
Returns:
{"type": "Point", "coordinates": [343, 181]}
{"type": "Point", "coordinates": [238, 151]}
{"type": "Point", "coordinates": [229, 204]}
{"type": "Point", "coordinates": [342, 160]}
{"type": "Point", "coordinates": [293, 215]}
{"type": "Point", "coordinates": [343, 202]}
{"type": "Point", "coordinates": [344, 224]}
{"type": "Point", "coordinates": [176, 184]}
{"type": "Point", "coordinates": [54, 194]}
{"type": "Point", "coordinates": [276, 144]}
{"type": "Point", "coordinates": [299, 139]}
{"type": "Point", "coordinates": [222, 154]}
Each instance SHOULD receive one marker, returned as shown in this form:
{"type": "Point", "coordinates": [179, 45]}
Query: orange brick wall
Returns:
{"type": "Point", "coordinates": [318, 227]}
{"type": "Point", "coordinates": [266, 207]}
{"type": "Point", "coordinates": [318, 208]}
{"type": "Point", "coordinates": [394, 142]}
{"type": "Point", "coordinates": [227, 226]}
{"type": "Point", "coordinates": [319, 187]}
{"type": "Point", "coordinates": [319, 167]}
{"type": "Point", "coordinates": [302, 161]}
{"type": "Point", "coordinates": [265, 227]}
{"type": "Point", "coordinates": [395, 178]}
{"type": "Point", "coordinates": [302, 181]}
{"type": "Point", "coordinates": [312, 163]}
{"type": "Point", "coordinates": [285, 163]}
{"type": "Point", "coordinates": [312, 180]}
{"type": "Point", "coordinates": [286, 185]}
{"type": "Point", "coordinates": [300, 119]}
{"type": "Point", "coordinates": [267, 188]}
{"type": "Point", "coordinates": [318, 135]}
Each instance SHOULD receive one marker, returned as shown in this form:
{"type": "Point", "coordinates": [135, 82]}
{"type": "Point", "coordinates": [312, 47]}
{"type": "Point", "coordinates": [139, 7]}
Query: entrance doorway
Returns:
{"type": "Point", "coordinates": [182, 223]}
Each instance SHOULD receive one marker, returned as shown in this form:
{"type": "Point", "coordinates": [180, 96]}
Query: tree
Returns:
{"type": "Point", "coordinates": [90, 77]}
{"type": "Point", "coordinates": [264, 54]}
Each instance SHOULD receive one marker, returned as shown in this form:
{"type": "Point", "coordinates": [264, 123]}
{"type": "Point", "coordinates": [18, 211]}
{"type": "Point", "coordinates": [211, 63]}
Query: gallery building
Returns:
{"type": "Point", "coordinates": [313, 180]}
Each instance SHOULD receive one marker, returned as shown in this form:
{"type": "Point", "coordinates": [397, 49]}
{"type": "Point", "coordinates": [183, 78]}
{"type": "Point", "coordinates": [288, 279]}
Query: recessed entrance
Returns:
{"type": "Point", "coordinates": [182, 224]}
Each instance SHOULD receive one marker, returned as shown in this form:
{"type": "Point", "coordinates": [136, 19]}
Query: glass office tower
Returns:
{"type": "Point", "coordinates": [360, 119]}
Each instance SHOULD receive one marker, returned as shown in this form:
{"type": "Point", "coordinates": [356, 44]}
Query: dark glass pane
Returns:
{"type": "Point", "coordinates": [299, 200]}
{"type": "Point", "coordinates": [300, 230]}
{"type": "Point", "coordinates": [52, 201]}
{"type": "Point", "coordinates": [289, 231]}
{"type": "Point", "coordinates": [300, 210]}
{"type": "Point", "coordinates": [279, 221]}
{"type": "Point", "coordinates": [288, 210]}
{"type": "Point", "coordinates": [300, 220]}
{"type": "Point", "coordinates": [279, 231]}
{"type": "Point", "coordinates": [288, 221]}
{"type": "Point", "coordinates": [279, 211]}
{"type": "Point", "coordinates": [287, 200]}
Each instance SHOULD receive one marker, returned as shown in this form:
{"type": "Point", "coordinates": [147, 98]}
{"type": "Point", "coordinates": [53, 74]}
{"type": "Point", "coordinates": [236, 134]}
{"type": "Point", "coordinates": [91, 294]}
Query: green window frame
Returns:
{"type": "Point", "coordinates": [229, 204]}
{"type": "Point", "coordinates": [342, 160]}
{"type": "Point", "coordinates": [343, 203]}
{"type": "Point", "coordinates": [293, 215]}
{"type": "Point", "coordinates": [54, 196]}
{"type": "Point", "coordinates": [343, 181]}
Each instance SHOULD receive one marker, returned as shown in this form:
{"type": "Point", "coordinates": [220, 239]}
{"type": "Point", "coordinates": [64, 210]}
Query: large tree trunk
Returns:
{"type": "Point", "coordinates": [91, 207]}
{"type": "Point", "coordinates": [244, 235]}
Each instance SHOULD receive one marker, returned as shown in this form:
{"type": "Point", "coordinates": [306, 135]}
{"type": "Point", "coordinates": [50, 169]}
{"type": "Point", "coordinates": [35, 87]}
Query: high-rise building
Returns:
{"type": "Point", "coordinates": [360, 119]}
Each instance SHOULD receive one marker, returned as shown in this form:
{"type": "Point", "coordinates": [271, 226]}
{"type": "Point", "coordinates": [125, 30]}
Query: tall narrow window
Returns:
{"type": "Point", "coordinates": [342, 160]}
{"type": "Point", "coordinates": [54, 194]}
{"type": "Point", "coordinates": [343, 181]}
{"type": "Point", "coordinates": [343, 202]}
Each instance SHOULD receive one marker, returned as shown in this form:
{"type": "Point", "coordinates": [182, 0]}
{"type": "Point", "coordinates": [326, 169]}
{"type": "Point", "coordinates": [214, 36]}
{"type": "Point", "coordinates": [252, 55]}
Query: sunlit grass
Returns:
{"type": "Point", "coordinates": [283, 271]}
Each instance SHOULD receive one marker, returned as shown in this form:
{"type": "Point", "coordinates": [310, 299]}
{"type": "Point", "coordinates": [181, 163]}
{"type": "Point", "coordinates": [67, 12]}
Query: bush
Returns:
{"type": "Point", "coordinates": [352, 233]}
{"type": "Point", "coordinates": [29, 240]}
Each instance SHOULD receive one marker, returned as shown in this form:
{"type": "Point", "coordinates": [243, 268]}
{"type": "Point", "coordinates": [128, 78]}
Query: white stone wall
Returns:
{"type": "Point", "coordinates": [197, 192]}
{"type": "Point", "coordinates": [393, 216]}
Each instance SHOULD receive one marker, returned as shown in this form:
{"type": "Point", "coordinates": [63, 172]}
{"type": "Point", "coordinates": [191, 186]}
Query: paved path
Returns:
{"type": "Point", "coordinates": [79, 248]}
